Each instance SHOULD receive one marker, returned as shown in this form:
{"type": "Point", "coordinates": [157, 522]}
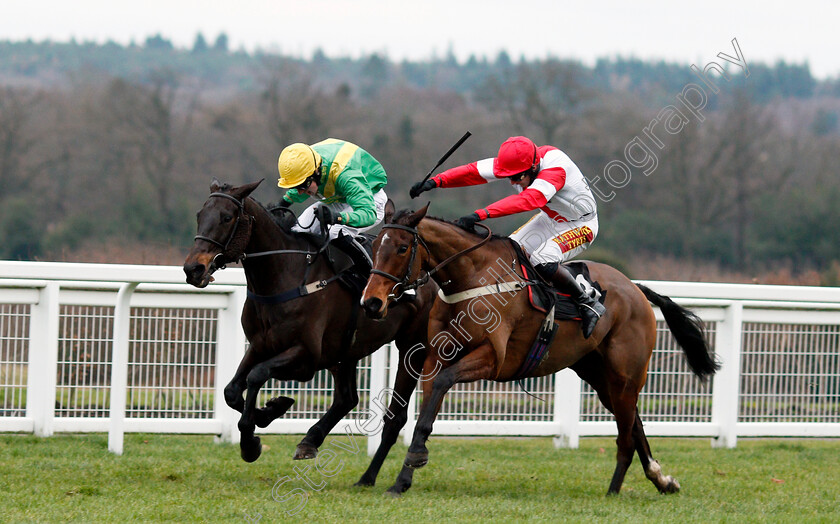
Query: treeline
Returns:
{"type": "Point", "coordinates": [216, 66]}
{"type": "Point", "coordinates": [114, 143]}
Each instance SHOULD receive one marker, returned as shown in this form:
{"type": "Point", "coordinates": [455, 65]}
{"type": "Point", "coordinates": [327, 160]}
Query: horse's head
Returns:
{"type": "Point", "coordinates": [398, 255]}
{"type": "Point", "coordinates": [223, 231]}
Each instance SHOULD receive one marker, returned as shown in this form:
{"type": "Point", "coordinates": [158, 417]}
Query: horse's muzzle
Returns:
{"type": "Point", "coordinates": [197, 274]}
{"type": "Point", "coordinates": [373, 308]}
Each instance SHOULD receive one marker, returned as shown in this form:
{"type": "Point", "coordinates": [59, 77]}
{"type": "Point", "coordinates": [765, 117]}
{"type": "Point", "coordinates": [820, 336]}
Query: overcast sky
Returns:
{"type": "Point", "coordinates": [690, 32]}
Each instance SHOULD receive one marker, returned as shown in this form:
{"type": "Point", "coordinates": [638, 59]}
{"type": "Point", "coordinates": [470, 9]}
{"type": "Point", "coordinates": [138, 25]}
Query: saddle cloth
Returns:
{"type": "Point", "coordinates": [542, 296]}
{"type": "Point", "coordinates": [341, 262]}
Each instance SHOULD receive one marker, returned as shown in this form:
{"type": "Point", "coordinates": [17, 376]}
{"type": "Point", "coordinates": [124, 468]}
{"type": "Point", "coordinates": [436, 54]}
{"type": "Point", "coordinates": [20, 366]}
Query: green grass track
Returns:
{"type": "Point", "coordinates": [166, 478]}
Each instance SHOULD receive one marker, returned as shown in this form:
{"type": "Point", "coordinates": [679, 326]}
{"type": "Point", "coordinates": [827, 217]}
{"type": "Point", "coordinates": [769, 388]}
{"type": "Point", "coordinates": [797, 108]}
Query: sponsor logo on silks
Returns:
{"type": "Point", "coordinates": [574, 238]}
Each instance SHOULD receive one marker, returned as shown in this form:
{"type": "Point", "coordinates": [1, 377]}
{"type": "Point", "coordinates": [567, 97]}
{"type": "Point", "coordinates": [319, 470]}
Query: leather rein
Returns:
{"type": "Point", "coordinates": [301, 290]}
{"type": "Point", "coordinates": [405, 282]}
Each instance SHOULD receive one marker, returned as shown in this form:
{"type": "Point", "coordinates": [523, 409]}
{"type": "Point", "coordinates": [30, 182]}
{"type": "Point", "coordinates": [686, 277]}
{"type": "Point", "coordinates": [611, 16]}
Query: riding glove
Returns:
{"type": "Point", "coordinates": [468, 222]}
{"type": "Point", "coordinates": [284, 203]}
{"type": "Point", "coordinates": [420, 187]}
{"type": "Point", "coordinates": [327, 217]}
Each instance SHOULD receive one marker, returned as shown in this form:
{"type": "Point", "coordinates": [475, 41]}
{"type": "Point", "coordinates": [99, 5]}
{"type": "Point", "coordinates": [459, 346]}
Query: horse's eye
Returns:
{"type": "Point", "coordinates": [402, 250]}
{"type": "Point", "coordinates": [226, 218]}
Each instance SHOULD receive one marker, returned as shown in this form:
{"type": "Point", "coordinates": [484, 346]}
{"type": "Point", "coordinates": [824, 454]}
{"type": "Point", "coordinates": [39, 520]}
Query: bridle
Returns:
{"type": "Point", "coordinates": [243, 217]}
{"type": "Point", "coordinates": [249, 222]}
{"type": "Point", "coordinates": [405, 282]}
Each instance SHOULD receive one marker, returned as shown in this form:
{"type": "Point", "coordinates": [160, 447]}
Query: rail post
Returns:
{"type": "Point", "coordinates": [377, 400]}
{"type": "Point", "coordinates": [230, 348]}
{"type": "Point", "coordinates": [567, 409]}
{"type": "Point", "coordinates": [43, 360]}
{"type": "Point", "coordinates": [119, 367]}
{"type": "Point", "coordinates": [726, 385]}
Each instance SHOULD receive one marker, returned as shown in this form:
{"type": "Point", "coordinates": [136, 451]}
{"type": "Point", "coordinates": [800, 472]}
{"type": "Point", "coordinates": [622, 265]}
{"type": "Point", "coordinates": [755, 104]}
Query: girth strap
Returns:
{"type": "Point", "coordinates": [492, 289]}
{"type": "Point", "coordinates": [291, 294]}
{"type": "Point", "coordinates": [539, 349]}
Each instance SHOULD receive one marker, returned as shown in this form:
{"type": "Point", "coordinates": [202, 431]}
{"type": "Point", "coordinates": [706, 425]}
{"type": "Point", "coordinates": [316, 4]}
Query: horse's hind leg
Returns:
{"type": "Point", "coordinates": [591, 369]}
{"type": "Point", "coordinates": [395, 418]}
{"type": "Point", "coordinates": [623, 396]}
{"type": "Point", "coordinates": [345, 398]}
{"type": "Point", "coordinates": [616, 394]}
{"type": "Point", "coordinates": [664, 483]}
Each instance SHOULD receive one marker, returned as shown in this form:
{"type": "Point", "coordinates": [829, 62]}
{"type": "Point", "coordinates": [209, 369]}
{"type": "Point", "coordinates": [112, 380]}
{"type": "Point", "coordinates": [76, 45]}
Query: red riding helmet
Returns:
{"type": "Point", "coordinates": [516, 154]}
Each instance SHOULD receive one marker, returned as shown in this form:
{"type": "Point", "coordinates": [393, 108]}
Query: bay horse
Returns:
{"type": "Point", "coordinates": [489, 336]}
{"type": "Point", "coordinates": [298, 319]}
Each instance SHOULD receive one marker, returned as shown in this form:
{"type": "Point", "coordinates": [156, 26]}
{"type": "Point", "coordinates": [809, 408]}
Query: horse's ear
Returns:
{"type": "Point", "coordinates": [243, 191]}
{"type": "Point", "coordinates": [390, 209]}
{"type": "Point", "coordinates": [215, 185]}
{"type": "Point", "coordinates": [417, 216]}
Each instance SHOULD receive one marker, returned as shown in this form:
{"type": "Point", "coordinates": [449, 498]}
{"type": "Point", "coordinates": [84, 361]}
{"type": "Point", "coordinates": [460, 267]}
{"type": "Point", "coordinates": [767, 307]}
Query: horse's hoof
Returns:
{"type": "Point", "coordinates": [672, 486]}
{"type": "Point", "coordinates": [250, 450]}
{"type": "Point", "coordinates": [274, 409]}
{"type": "Point", "coordinates": [416, 460]}
{"type": "Point", "coordinates": [397, 490]}
{"type": "Point", "coordinates": [305, 452]}
{"type": "Point", "coordinates": [365, 483]}
{"type": "Point", "coordinates": [280, 404]}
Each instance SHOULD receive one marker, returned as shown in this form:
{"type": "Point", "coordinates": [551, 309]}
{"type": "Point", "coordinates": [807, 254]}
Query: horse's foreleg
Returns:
{"type": "Point", "coordinates": [664, 483]}
{"type": "Point", "coordinates": [395, 418]}
{"type": "Point", "coordinates": [478, 364]}
{"type": "Point", "coordinates": [234, 389]}
{"type": "Point", "coordinates": [345, 398]}
{"type": "Point", "coordinates": [406, 474]}
{"type": "Point", "coordinates": [249, 444]}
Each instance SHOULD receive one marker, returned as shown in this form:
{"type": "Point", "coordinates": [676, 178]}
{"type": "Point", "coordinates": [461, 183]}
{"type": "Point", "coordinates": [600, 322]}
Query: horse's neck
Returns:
{"type": "Point", "coordinates": [266, 235]}
{"type": "Point", "coordinates": [464, 272]}
{"type": "Point", "coordinates": [267, 273]}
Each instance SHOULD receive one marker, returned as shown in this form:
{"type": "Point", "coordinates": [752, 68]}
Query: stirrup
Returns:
{"type": "Point", "coordinates": [589, 317]}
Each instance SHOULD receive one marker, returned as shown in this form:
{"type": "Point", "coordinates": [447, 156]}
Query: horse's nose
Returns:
{"type": "Point", "coordinates": [194, 271]}
{"type": "Point", "coordinates": [373, 307]}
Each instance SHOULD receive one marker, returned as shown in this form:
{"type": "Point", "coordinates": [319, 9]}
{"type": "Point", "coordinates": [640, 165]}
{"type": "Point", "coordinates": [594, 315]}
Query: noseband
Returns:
{"type": "Point", "coordinates": [405, 281]}
{"type": "Point", "coordinates": [249, 220]}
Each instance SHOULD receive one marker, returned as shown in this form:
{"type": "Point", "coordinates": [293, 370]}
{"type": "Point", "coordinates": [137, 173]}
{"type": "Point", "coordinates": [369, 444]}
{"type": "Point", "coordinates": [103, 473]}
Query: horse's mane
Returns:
{"type": "Point", "coordinates": [401, 217]}
{"type": "Point", "coordinates": [284, 219]}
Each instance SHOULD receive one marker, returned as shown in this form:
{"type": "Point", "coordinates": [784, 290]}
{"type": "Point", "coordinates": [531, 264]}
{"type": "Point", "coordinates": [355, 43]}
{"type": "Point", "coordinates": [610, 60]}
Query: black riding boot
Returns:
{"type": "Point", "coordinates": [589, 308]}
{"type": "Point", "coordinates": [361, 260]}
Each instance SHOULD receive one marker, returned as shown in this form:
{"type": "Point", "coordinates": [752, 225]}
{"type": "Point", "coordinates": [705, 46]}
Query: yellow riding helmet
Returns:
{"type": "Point", "coordinates": [296, 163]}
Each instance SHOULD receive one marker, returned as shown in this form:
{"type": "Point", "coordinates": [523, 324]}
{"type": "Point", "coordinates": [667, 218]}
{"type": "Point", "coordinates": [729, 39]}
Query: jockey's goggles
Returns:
{"type": "Point", "coordinates": [305, 184]}
{"type": "Point", "coordinates": [519, 176]}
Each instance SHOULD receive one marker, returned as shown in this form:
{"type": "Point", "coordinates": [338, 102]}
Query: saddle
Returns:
{"type": "Point", "coordinates": [542, 296]}
{"type": "Point", "coordinates": [353, 277]}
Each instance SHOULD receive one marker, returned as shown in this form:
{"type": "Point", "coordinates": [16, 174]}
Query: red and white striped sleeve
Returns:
{"type": "Point", "coordinates": [471, 174]}
{"type": "Point", "coordinates": [535, 196]}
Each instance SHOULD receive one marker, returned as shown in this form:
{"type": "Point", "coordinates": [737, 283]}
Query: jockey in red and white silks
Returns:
{"type": "Point", "coordinates": [545, 178]}
{"type": "Point", "coordinates": [567, 223]}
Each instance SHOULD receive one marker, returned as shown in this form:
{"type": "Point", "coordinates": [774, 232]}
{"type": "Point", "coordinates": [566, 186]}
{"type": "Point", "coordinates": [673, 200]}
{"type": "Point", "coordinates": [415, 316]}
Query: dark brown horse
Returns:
{"type": "Point", "coordinates": [489, 337]}
{"type": "Point", "coordinates": [294, 335]}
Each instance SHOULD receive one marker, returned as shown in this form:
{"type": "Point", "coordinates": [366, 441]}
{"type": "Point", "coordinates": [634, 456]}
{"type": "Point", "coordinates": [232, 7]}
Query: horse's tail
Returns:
{"type": "Point", "coordinates": [687, 329]}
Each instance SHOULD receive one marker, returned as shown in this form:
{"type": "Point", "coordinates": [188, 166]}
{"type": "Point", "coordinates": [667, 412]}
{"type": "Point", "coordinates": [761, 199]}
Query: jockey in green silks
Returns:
{"type": "Point", "coordinates": [345, 179]}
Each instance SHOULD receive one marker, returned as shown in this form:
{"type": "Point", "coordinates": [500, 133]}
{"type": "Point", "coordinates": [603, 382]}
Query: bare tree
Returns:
{"type": "Point", "coordinates": [16, 139]}
{"type": "Point", "coordinates": [145, 126]}
{"type": "Point", "coordinates": [751, 165]}
{"type": "Point", "coordinates": [546, 96]}
{"type": "Point", "coordinates": [295, 109]}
